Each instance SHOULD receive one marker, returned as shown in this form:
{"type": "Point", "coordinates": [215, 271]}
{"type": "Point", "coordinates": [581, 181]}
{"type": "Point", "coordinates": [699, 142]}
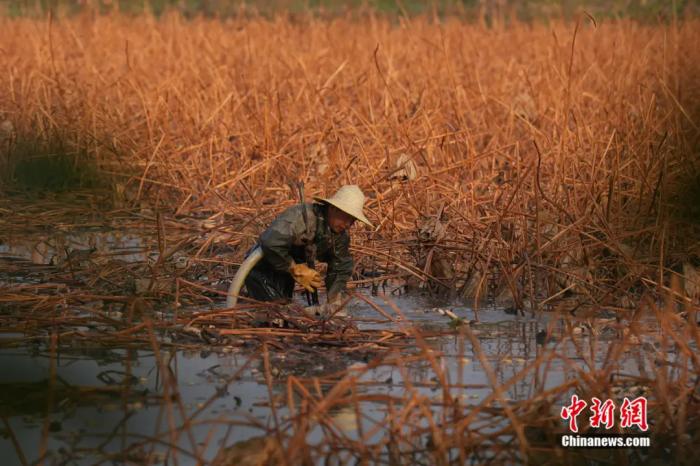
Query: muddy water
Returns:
{"type": "Point", "coordinates": [52, 249]}
{"type": "Point", "coordinates": [109, 404]}
{"type": "Point", "coordinates": [93, 417]}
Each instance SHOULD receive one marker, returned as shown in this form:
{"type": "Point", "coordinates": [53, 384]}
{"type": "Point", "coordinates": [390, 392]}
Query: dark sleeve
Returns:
{"type": "Point", "coordinates": [339, 266]}
{"type": "Point", "coordinates": [287, 230]}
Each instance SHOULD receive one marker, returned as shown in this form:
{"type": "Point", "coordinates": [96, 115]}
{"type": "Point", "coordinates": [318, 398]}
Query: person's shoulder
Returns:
{"type": "Point", "coordinates": [294, 215]}
{"type": "Point", "coordinates": [291, 211]}
{"type": "Point", "coordinates": [296, 208]}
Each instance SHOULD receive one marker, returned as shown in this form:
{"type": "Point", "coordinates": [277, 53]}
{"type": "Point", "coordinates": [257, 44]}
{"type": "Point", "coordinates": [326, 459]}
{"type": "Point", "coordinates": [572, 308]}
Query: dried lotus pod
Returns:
{"type": "Point", "coordinates": [406, 169]}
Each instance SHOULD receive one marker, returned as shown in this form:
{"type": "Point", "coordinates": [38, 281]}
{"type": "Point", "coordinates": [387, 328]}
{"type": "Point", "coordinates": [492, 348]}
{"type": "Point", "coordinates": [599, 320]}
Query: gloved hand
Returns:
{"type": "Point", "coordinates": [305, 276]}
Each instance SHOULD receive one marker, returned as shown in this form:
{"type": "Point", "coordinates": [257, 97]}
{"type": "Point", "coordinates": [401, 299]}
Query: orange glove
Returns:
{"type": "Point", "coordinates": [305, 276]}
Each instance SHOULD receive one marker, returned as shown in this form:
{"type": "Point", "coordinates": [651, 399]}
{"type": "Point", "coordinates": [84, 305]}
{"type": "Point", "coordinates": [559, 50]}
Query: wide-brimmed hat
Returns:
{"type": "Point", "coordinates": [350, 200]}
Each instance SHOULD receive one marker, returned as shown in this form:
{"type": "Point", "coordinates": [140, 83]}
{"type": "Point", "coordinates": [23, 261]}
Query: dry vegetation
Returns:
{"type": "Point", "coordinates": [555, 149]}
{"type": "Point", "coordinates": [560, 158]}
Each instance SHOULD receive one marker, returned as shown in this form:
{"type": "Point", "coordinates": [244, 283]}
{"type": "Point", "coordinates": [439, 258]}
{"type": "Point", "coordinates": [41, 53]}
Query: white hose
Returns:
{"type": "Point", "coordinates": [243, 271]}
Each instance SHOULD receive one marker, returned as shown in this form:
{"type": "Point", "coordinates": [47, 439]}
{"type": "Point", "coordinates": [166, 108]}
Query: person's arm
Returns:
{"type": "Point", "coordinates": [287, 230]}
{"type": "Point", "coordinates": [340, 267]}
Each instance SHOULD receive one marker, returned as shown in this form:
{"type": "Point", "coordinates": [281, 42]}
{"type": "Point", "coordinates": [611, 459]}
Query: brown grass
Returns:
{"type": "Point", "coordinates": [555, 151]}
{"type": "Point", "coordinates": [554, 157]}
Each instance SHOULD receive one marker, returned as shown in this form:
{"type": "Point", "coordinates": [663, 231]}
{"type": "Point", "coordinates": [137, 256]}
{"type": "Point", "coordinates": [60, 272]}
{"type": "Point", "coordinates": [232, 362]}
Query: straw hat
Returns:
{"type": "Point", "coordinates": [350, 200]}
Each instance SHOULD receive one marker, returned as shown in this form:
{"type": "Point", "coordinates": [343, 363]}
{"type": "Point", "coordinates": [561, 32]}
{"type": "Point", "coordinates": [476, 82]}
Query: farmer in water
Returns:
{"type": "Point", "coordinates": [301, 235]}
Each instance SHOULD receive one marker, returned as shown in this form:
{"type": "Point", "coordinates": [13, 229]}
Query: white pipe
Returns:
{"type": "Point", "coordinates": [243, 271]}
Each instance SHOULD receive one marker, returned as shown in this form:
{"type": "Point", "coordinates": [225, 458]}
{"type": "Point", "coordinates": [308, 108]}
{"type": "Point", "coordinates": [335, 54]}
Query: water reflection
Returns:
{"type": "Point", "coordinates": [126, 404]}
{"type": "Point", "coordinates": [58, 247]}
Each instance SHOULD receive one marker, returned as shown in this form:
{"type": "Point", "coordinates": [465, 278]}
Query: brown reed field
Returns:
{"type": "Point", "coordinates": [567, 147]}
{"type": "Point", "coordinates": [522, 162]}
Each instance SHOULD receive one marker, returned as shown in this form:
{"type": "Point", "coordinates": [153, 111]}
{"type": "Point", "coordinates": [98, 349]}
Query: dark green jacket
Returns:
{"type": "Point", "coordinates": [285, 240]}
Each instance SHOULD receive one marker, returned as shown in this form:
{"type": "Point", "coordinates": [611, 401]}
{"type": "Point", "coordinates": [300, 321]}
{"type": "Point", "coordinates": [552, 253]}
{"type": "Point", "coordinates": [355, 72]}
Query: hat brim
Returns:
{"type": "Point", "coordinates": [357, 215]}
